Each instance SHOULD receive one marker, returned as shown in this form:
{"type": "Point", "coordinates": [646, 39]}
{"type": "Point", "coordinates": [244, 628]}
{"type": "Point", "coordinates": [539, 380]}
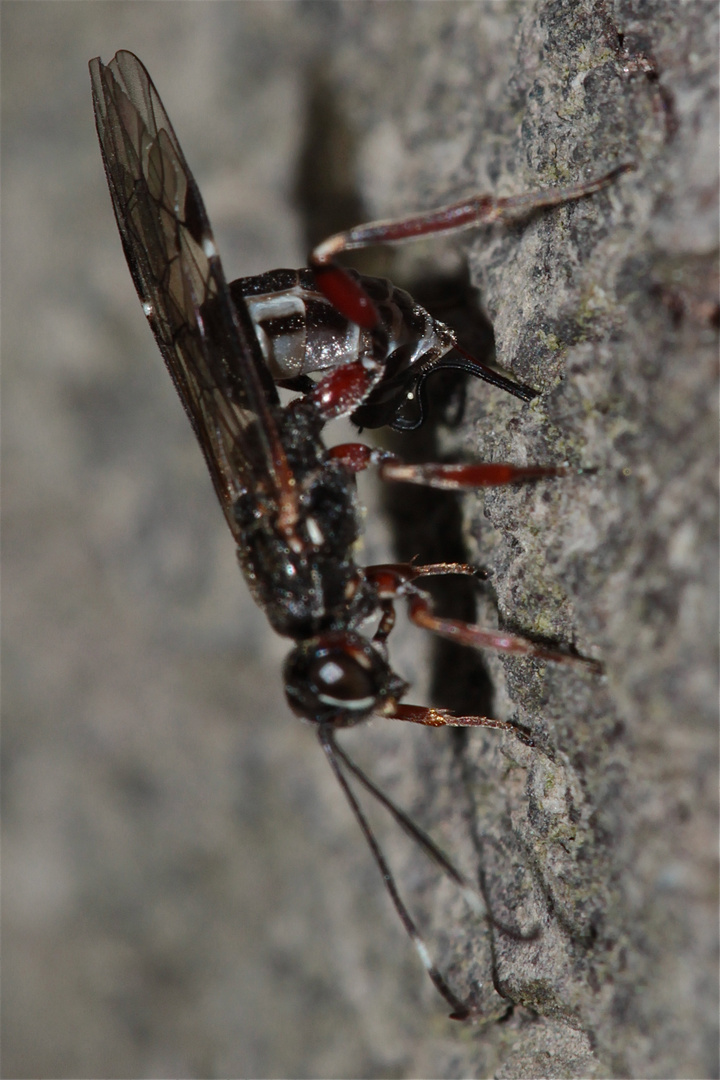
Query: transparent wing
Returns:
{"type": "Point", "coordinates": [208, 344]}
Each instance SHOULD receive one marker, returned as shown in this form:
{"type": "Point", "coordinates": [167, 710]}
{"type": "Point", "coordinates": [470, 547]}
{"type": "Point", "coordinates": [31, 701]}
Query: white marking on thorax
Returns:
{"type": "Point", "coordinates": [314, 531]}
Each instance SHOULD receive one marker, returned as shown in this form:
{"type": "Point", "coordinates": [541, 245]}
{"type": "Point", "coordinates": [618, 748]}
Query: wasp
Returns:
{"type": "Point", "coordinates": [347, 345]}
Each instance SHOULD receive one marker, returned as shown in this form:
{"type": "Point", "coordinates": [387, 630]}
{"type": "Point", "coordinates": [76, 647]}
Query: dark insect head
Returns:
{"type": "Point", "coordinates": [339, 678]}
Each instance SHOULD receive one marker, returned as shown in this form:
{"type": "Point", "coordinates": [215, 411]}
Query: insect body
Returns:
{"type": "Point", "coordinates": [290, 502]}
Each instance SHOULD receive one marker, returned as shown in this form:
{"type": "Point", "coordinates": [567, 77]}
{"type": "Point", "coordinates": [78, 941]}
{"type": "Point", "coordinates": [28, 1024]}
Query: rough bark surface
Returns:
{"type": "Point", "coordinates": [184, 891]}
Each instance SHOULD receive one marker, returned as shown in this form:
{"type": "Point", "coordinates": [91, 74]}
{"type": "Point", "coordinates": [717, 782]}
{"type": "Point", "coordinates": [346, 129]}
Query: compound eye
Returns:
{"type": "Point", "coordinates": [338, 678]}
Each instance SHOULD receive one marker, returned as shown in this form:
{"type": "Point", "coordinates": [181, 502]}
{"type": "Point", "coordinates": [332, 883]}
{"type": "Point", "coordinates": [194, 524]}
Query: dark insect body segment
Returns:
{"type": "Point", "coordinates": [291, 503]}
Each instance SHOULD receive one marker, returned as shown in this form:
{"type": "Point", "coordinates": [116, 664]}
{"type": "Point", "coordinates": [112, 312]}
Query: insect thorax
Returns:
{"type": "Point", "coordinates": [313, 586]}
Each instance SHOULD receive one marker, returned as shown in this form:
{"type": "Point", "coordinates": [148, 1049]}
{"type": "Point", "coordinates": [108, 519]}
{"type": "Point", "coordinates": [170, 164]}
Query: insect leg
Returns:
{"type": "Point", "coordinates": [396, 580]}
{"type": "Point", "coordinates": [345, 388]}
{"type": "Point", "coordinates": [461, 1009]}
{"type": "Point", "coordinates": [430, 716]}
{"type": "Point", "coordinates": [349, 296]}
{"type": "Point", "coordinates": [447, 477]}
{"type": "Point", "coordinates": [388, 596]}
{"type": "Point", "coordinates": [471, 634]}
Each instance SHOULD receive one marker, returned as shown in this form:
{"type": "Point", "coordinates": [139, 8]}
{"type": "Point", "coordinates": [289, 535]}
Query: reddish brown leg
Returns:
{"type": "Point", "coordinates": [357, 457]}
{"type": "Point", "coordinates": [345, 388]}
{"type": "Point", "coordinates": [470, 634]}
{"type": "Point", "coordinates": [396, 580]}
{"type": "Point", "coordinates": [387, 622]}
{"type": "Point", "coordinates": [432, 717]}
{"type": "Point", "coordinates": [350, 298]}
{"type": "Point", "coordinates": [462, 477]}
